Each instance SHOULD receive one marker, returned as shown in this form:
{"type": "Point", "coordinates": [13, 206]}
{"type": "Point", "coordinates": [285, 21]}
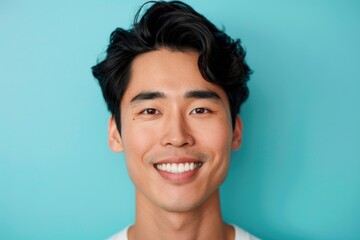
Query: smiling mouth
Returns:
{"type": "Point", "coordinates": [178, 168]}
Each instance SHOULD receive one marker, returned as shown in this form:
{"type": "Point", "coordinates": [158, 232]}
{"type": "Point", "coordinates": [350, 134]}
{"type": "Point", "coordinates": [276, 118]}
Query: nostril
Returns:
{"type": "Point", "coordinates": [179, 142]}
{"type": "Point", "coordinates": [176, 133]}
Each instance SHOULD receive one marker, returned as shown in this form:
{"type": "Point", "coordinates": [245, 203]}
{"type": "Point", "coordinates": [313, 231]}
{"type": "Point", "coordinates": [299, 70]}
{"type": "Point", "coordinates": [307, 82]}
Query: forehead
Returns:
{"type": "Point", "coordinates": [171, 72]}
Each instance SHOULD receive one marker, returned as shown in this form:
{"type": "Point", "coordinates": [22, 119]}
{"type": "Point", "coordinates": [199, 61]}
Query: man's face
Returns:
{"type": "Point", "coordinates": [176, 131]}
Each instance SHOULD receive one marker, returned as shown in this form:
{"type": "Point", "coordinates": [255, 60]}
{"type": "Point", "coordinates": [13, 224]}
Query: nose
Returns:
{"type": "Point", "coordinates": [176, 132]}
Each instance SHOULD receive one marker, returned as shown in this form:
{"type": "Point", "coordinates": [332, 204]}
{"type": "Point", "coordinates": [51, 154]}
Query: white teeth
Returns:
{"type": "Point", "coordinates": [181, 167]}
{"type": "Point", "coordinates": [177, 168]}
{"type": "Point", "coordinates": [187, 166]}
{"type": "Point", "coordinates": [174, 168]}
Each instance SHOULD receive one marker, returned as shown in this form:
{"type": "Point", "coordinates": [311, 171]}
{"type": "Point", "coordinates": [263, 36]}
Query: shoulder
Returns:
{"type": "Point", "coordinates": [241, 234]}
{"type": "Point", "coordinates": [122, 235]}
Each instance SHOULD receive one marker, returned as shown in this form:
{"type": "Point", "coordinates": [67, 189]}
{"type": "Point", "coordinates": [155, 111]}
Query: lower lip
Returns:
{"type": "Point", "coordinates": [178, 177]}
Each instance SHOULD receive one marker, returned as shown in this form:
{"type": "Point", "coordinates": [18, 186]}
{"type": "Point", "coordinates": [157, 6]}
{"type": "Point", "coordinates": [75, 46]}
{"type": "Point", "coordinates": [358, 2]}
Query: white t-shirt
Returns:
{"type": "Point", "coordinates": [240, 234]}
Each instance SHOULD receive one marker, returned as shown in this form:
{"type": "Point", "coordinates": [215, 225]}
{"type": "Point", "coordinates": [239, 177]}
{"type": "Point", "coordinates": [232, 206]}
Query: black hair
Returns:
{"type": "Point", "coordinates": [176, 26]}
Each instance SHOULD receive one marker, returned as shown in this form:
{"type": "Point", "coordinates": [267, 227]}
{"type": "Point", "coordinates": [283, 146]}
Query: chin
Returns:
{"type": "Point", "coordinates": [185, 204]}
{"type": "Point", "coordinates": [180, 207]}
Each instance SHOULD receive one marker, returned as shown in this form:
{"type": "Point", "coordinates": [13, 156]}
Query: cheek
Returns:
{"type": "Point", "coordinates": [218, 143]}
{"type": "Point", "coordinates": [217, 136]}
{"type": "Point", "coordinates": [133, 136]}
{"type": "Point", "coordinates": [136, 144]}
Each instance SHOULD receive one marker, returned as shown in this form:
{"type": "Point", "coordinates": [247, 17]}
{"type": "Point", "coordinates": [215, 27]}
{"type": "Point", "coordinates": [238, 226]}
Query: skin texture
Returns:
{"type": "Point", "coordinates": [171, 124]}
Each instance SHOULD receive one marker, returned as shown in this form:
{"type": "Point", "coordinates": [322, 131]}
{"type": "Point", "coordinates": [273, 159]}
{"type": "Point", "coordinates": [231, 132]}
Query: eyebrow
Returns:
{"type": "Point", "coordinates": [147, 96]}
{"type": "Point", "coordinates": [197, 94]}
{"type": "Point", "coordinates": [202, 94]}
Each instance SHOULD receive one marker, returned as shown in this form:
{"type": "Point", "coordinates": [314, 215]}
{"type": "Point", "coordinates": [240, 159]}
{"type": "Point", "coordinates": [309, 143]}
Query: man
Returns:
{"type": "Point", "coordinates": [174, 84]}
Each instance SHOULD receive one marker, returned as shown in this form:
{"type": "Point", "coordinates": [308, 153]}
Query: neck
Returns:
{"type": "Point", "coordinates": [202, 223]}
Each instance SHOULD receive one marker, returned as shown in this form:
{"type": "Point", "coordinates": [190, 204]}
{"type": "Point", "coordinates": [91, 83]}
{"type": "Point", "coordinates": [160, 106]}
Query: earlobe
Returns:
{"type": "Point", "coordinates": [237, 136]}
{"type": "Point", "coordinates": [115, 141]}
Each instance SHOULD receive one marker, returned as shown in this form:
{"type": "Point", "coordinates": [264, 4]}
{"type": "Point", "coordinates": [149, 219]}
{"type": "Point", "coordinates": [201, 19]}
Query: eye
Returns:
{"type": "Point", "coordinates": [150, 111]}
{"type": "Point", "coordinates": [200, 111]}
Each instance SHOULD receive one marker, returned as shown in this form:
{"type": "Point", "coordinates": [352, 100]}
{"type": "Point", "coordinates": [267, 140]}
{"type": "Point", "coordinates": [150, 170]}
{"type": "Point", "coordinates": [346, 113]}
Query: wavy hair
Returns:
{"type": "Point", "coordinates": [177, 26]}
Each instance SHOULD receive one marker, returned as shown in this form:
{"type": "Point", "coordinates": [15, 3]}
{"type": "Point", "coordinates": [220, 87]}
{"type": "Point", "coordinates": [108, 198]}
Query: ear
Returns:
{"type": "Point", "coordinates": [237, 135]}
{"type": "Point", "coordinates": [115, 141]}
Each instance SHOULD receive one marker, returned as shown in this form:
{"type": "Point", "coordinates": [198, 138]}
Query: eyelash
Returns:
{"type": "Point", "coordinates": [204, 111]}
{"type": "Point", "coordinates": [153, 111]}
{"type": "Point", "coordinates": [146, 111]}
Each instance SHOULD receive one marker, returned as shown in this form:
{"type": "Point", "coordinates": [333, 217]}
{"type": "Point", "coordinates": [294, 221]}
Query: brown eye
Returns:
{"type": "Point", "coordinates": [200, 111]}
{"type": "Point", "coordinates": [150, 111]}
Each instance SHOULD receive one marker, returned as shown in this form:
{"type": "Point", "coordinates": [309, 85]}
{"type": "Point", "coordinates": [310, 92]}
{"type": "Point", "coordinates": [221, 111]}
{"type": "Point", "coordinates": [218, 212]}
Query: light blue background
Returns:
{"type": "Point", "coordinates": [295, 177]}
